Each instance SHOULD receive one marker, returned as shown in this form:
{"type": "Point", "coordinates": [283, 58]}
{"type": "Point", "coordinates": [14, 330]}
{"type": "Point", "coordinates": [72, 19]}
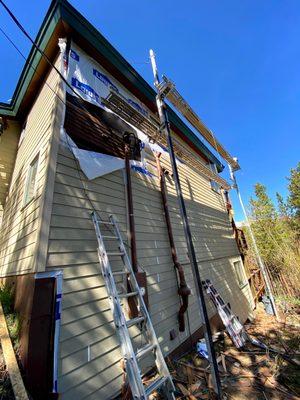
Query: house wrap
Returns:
{"type": "Point", "coordinates": [62, 157]}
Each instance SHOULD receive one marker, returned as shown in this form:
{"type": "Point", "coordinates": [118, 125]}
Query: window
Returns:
{"type": "Point", "coordinates": [214, 185]}
{"type": "Point", "coordinates": [240, 272]}
{"type": "Point", "coordinates": [31, 181]}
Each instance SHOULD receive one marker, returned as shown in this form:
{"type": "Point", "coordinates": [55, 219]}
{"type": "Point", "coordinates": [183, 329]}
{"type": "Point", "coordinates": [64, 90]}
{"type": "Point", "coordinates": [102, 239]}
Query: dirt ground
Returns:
{"type": "Point", "coordinates": [251, 373]}
{"type": "Point", "coordinates": [6, 392]}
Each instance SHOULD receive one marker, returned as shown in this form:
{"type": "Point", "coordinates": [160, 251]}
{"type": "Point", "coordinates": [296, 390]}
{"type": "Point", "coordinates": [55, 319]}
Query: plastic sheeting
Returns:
{"type": "Point", "coordinates": [95, 164]}
{"type": "Point", "coordinates": [91, 82]}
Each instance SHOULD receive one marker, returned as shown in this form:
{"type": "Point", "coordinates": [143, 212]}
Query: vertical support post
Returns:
{"type": "Point", "coordinates": [258, 256]}
{"type": "Point", "coordinates": [163, 115]}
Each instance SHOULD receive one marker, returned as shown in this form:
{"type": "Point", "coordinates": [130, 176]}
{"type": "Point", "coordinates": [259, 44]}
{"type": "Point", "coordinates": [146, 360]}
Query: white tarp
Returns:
{"type": "Point", "coordinates": [97, 164]}
{"type": "Point", "coordinates": [94, 164]}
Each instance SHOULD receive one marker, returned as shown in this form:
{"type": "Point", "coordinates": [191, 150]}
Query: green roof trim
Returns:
{"type": "Point", "coordinates": [46, 30]}
{"type": "Point", "coordinates": [62, 10]}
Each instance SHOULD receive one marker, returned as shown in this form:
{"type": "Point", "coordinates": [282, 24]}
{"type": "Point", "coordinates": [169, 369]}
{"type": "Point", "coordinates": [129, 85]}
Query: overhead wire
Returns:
{"type": "Point", "coordinates": [67, 138]}
{"type": "Point", "coordinates": [14, 18]}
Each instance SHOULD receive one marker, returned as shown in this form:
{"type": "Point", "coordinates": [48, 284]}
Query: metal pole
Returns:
{"type": "Point", "coordinates": [258, 256]}
{"type": "Point", "coordinates": [162, 111]}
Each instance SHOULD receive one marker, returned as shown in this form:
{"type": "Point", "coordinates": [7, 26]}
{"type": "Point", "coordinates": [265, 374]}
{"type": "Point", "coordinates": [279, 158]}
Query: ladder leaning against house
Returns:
{"type": "Point", "coordinates": [131, 358]}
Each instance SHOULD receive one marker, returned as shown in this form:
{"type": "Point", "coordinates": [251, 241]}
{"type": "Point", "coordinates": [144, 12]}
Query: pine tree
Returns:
{"type": "Point", "coordinates": [277, 233]}
{"type": "Point", "coordinates": [264, 219]}
{"type": "Point", "coordinates": [283, 207]}
{"type": "Point", "coordinates": [294, 196]}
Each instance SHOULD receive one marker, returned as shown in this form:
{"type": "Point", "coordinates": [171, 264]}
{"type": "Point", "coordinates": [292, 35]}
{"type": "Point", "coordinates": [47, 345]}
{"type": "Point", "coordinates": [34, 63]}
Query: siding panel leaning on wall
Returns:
{"type": "Point", "coordinates": [18, 242]}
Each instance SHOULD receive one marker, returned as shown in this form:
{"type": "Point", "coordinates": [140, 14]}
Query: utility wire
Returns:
{"type": "Point", "coordinates": [67, 139]}
{"type": "Point", "coordinates": [14, 18]}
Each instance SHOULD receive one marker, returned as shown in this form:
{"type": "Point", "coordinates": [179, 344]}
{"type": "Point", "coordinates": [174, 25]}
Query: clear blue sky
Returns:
{"type": "Point", "coordinates": [237, 62]}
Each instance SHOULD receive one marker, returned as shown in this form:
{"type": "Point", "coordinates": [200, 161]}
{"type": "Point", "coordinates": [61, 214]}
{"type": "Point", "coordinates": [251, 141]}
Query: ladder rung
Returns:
{"type": "Point", "coordinates": [117, 253]}
{"type": "Point", "coordinates": [104, 222]}
{"type": "Point", "coordinates": [145, 350]}
{"type": "Point", "coordinates": [109, 237]}
{"type": "Point", "coordinates": [120, 273]}
{"type": "Point", "coordinates": [155, 385]}
{"type": "Point", "coordinates": [134, 321]}
{"type": "Point", "coordinates": [126, 295]}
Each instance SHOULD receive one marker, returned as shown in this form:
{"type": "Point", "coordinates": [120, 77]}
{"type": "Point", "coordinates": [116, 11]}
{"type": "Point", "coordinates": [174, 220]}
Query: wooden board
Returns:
{"type": "Point", "coordinates": [11, 361]}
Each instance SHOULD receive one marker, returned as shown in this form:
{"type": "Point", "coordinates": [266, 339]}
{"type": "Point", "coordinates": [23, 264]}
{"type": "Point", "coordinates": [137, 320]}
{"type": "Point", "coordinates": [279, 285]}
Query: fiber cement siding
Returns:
{"type": "Point", "coordinates": [8, 151]}
{"type": "Point", "coordinates": [213, 238]}
{"type": "Point", "coordinates": [18, 240]}
{"type": "Point", "coordinates": [89, 350]}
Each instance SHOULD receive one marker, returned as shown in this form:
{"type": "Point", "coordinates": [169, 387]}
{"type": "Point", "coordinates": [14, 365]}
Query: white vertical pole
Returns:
{"type": "Point", "coordinates": [257, 253]}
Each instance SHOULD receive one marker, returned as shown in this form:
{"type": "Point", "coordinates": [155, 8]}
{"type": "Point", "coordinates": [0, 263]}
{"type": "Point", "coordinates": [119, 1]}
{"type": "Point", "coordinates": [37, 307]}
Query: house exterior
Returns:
{"type": "Point", "coordinates": [48, 247]}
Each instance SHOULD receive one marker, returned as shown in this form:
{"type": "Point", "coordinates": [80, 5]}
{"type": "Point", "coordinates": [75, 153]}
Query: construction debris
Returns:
{"type": "Point", "coordinates": [249, 373]}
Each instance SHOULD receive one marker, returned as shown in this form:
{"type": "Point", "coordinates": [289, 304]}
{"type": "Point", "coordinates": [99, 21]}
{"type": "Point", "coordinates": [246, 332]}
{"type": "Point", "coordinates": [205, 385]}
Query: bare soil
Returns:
{"type": "Point", "coordinates": [248, 374]}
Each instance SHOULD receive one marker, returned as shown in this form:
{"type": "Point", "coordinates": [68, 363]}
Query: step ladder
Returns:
{"type": "Point", "coordinates": [132, 358]}
{"type": "Point", "coordinates": [233, 326]}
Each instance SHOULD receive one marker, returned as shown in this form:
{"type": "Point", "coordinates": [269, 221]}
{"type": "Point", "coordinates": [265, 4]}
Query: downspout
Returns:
{"type": "Point", "coordinates": [132, 239]}
{"type": "Point", "coordinates": [183, 291]}
{"type": "Point", "coordinates": [131, 144]}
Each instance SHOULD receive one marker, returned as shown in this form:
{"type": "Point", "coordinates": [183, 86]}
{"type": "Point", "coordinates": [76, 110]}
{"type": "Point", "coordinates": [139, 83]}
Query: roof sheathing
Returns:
{"type": "Point", "coordinates": [62, 10]}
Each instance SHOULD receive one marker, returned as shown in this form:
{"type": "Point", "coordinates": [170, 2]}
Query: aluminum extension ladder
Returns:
{"type": "Point", "coordinates": [131, 358]}
{"type": "Point", "coordinates": [231, 322]}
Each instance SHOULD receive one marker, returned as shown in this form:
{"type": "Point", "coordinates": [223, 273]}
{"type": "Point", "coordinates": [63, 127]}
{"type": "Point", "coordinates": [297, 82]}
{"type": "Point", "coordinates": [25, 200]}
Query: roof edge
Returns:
{"type": "Point", "coordinates": [63, 10]}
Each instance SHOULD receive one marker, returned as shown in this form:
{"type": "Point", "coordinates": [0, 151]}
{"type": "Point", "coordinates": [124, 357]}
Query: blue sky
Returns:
{"type": "Point", "coordinates": [236, 62]}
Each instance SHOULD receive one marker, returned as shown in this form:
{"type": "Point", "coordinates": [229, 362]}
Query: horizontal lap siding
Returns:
{"type": "Point", "coordinates": [213, 238]}
{"type": "Point", "coordinates": [18, 240]}
{"type": "Point", "coordinates": [86, 317]}
{"type": "Point", "coordinates": [154, 256]}
{"type": "Point", "coordinates": [8, 151]}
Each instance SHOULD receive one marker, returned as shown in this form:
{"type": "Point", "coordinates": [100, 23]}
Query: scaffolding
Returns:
{"type": "Point", "coordinates": [150, 125]}
{"type": "Point", "coordinates": [168, 90]}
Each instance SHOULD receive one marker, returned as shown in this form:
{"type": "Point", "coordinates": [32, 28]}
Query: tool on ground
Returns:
{"type": "Point", "coordinates": [233, 326]}
{"type": "Point", "coordinates": [132, 358]}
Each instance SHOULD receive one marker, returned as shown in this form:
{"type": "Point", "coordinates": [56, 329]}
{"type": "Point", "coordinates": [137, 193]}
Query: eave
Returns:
{"type": "Point", "coordinates": [62, 19]}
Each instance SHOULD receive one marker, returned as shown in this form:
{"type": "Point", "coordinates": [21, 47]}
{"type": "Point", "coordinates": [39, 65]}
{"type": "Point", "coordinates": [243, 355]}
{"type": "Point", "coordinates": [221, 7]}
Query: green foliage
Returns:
{"type": "Point", "coordinates": [12, 318]}
{"type": "Point", "coordinates": [283, 208]}
{"type": "Point", "coordinates": [277, 232]}
{"type": "Point", "coordinates": [294, 195]}
{"type": "Point", "coordinates": [6, 298]}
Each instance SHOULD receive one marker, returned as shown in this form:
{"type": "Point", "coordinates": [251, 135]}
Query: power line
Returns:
{"type": "Point", "coordinates": [14, 18]}
{"type": "Point", "coordinates": [68, 142]}
{"type": "Point", "coordinates": [31, 66]}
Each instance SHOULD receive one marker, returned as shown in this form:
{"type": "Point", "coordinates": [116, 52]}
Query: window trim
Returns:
{"type": "Point", "coordinates": [215, 186]}
{"type": "Point", "coordinates": [242, 268]}
{"type": "Point", "coordinates": [26, 202]}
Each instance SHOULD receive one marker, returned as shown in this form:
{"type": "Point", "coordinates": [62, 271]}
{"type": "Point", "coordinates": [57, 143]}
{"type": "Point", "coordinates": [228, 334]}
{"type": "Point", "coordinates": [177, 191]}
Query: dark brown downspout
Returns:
{"type": "Point", "coordinates": [130, 209]}
{"type": "Point", "coordinates": [184, 291]}
{"type": "Point", "coordinates": [131, 144]}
